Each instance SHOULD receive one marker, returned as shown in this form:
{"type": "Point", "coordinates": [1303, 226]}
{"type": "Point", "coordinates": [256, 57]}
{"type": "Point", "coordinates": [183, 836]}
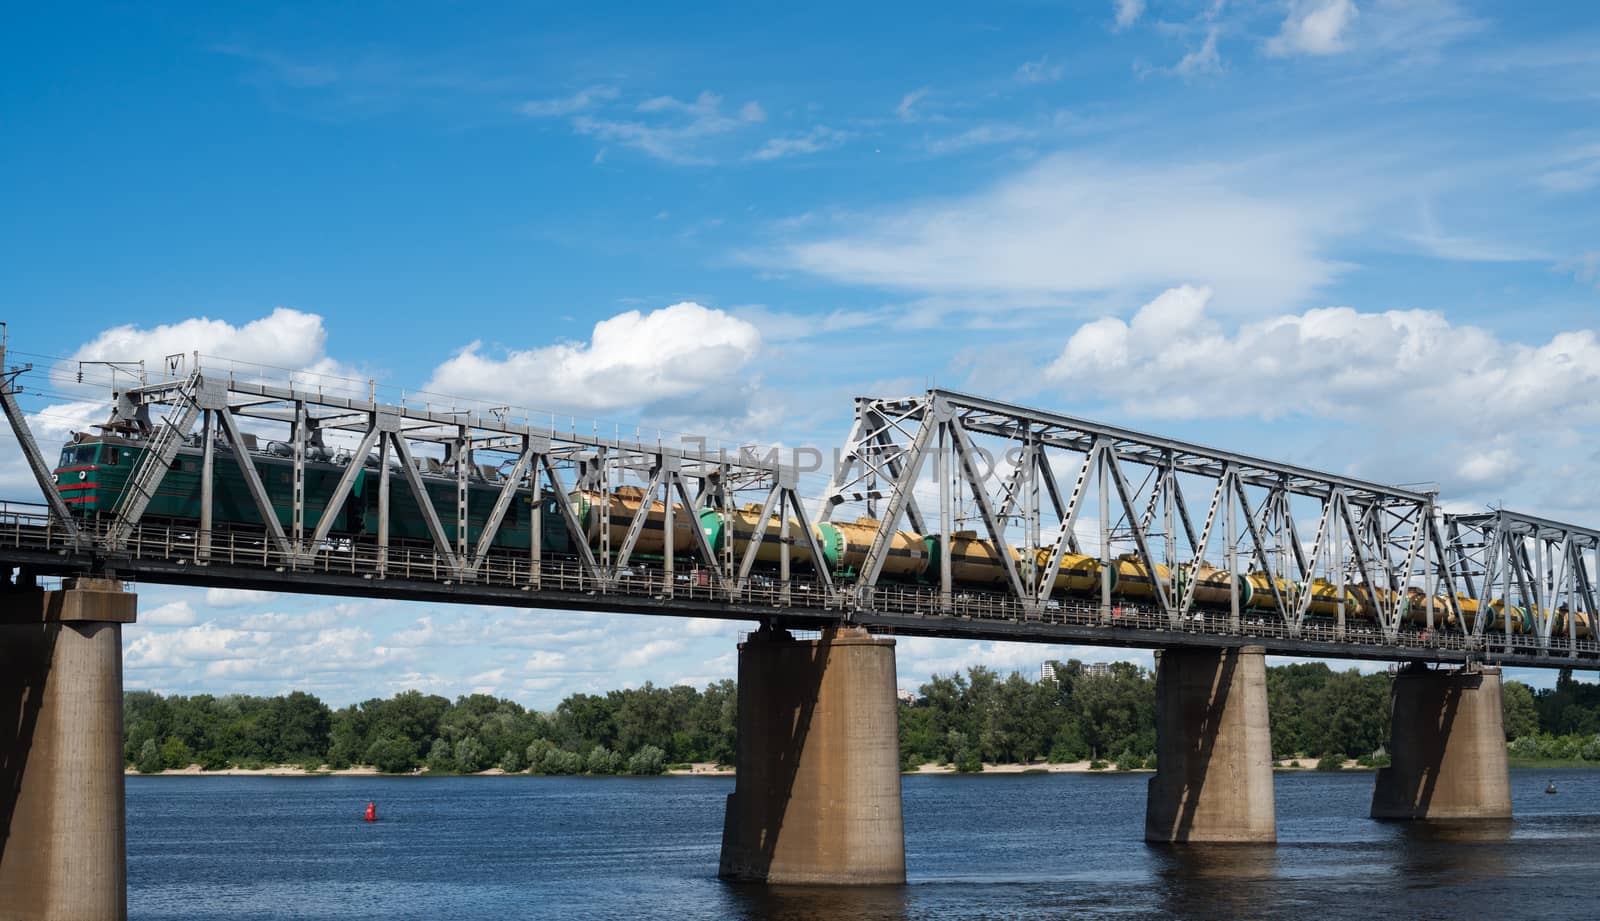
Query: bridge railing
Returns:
{"type": "Point", "coordinates": [30, 527]}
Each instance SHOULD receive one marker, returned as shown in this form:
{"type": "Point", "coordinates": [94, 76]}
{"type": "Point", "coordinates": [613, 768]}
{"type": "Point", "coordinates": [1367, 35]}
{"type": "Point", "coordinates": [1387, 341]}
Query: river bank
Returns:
{"type": "Point", "coordinates": [364, 770]}
{"type": "Point", "coordinates": [691, 770]}
{"type": "Point", "coordinates": [709, 769]}
{"type": "Point", "coordinates": [1106, 767]}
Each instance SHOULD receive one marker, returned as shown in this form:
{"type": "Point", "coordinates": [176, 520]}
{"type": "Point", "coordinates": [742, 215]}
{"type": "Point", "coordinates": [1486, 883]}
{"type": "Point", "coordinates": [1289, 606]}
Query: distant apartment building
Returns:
{"type": "Point", "coordinates": [1047, 672]}
{"type": "Point", "coordinates": [1096, 669]}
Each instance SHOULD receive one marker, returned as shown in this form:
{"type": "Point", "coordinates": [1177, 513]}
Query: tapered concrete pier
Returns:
{"type": "Point", "coordinates": [1213, 778]}
{"type": "Point", "coordinates": [1447, 747]}
{"type": "Point", "coordinates": [817, 796]}
{"type": "Point", "coordinates": [63, 842]}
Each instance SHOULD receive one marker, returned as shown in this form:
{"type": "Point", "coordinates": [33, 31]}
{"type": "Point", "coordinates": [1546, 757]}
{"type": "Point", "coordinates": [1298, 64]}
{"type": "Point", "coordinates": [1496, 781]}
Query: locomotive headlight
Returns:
{"type": "Point", "coordinates": [83, 475]}
{"type": "Point", "coordinates": [55, 478]}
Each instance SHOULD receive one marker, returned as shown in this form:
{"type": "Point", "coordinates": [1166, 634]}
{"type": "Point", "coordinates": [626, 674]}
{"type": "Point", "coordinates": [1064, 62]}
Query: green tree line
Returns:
{"type": "Point", "coordinates": [964, 720]}
{"type": "Point", "coordinates": [1109, 715]}
{"type": "Point", "coordinates": [637, 731]}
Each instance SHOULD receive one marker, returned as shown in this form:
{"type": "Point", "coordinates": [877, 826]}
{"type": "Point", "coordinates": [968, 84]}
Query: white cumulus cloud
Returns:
{"type": "Point", "coordinates": [286, 338]}
{"type": "Point", "coordinates": [202, 643]}
{"type": "Point", "coordinates": [1330, 361]}
{"type": "Point", "coordinates": [631, 360]}
{"type": "Point", "coordinates": [545, 660]}
{"type": "Point", "coordinates": [647, 653]}
{"type": "Point", "coordinates": [172, 614]}
{"type": "Point", "coordinates": [236, 597]}
{"type": "Point", "coordinates": [1460, 404]}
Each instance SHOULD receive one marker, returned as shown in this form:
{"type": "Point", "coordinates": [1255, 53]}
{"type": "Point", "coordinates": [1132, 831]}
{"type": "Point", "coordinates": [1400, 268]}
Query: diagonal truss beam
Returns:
{"type": "Point", "coordinates": [872, 565]}
{"type": "Point", "coordinates": [702, 544]}
{"type": "Point", "coordinates": [1066, 538]}
{"type": "Point", "coordinates": [157, 459]}
{"type": "Point", "coordinates": [996, 529]}
{"type": "Point", "coordinates": [252, 482]}
{"type": "Point", "coordinates": [525, 463]}
{"type": "Point", "coordinates": [419, 491]}
{"type": "Point", "coordinates": [341, 491]}
{"type": "Point", "coordinates": [1157, 585]}
{"type": "Point", "coordinates": [569, 516]}
{"type": "Point", "coordinates": [30, 448]}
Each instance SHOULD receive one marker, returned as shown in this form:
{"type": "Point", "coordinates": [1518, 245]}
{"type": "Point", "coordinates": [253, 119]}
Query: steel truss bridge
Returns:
{"type": "Point", "coordinates": [1038, 483]}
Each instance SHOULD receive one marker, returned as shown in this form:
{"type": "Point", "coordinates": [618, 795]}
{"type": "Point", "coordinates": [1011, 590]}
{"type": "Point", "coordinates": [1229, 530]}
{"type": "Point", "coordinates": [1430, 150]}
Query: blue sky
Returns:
{"type": "Point", "coordinates": [1354, 234]}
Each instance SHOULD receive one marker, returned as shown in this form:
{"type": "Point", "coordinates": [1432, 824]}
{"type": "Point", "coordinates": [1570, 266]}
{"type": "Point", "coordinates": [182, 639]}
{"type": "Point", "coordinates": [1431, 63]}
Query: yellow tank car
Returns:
{"type": "Point", "coordinates": [1414, 609]}
{"type": "Point", "coordinates": [972, 561]}
{"type": "Point", "coordinates": [1078, 574]}
{"type": "Point", "coordinates": [1261, 597]}
{"type": "Point", "coordinates": [1212, 586]}
{"type": "Point", "coordinates": [1521, 621]}
{"type": "Point", "coordinates": [1133, 577]}
{"type": "Point", "coordinates": [1325, 598]}
{"type": "Point", "coordinates": [625, 502]}
{"type": "Point", "coordinates": [845, 546]}
{"type": "Point", "coordinates": [744, 524]}
{"type": "Point", "coordinates": [1581, 624]}
{"type": "Point", "coordinates": [1364, 607]}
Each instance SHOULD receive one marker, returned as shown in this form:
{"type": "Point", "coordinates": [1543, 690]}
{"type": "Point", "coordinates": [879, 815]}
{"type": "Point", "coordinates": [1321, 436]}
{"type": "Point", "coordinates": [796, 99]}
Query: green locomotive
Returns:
{"type": "Point", "coordinates": [93, 473]}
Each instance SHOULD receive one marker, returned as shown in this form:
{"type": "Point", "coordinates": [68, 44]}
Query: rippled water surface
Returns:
{"type": "Point", "coordinates": [1020, 846]}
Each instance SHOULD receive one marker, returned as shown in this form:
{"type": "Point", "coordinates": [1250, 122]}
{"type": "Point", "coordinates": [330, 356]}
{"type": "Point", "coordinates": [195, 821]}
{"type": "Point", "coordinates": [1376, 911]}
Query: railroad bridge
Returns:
{"type": "Point", "coordinates": [943, 514]}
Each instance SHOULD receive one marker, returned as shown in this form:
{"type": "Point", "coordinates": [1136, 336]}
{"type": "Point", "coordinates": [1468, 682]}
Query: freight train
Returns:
{"type": "Point", "coordinates": [94, 469]}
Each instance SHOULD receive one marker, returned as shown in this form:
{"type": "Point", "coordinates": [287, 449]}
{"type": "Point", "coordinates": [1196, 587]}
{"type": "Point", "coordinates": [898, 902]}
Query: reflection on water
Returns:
{"type": "Point", "coordinates": [996, 847]}
{"type": "Point", "coordinates": [800, 903]}
{"type": "Point", "coordinates": [1457, 831]}
{"type": "Point", "coordinates": [1437, 853]}
{"type": "Point", "coordinates": [1215, 880]}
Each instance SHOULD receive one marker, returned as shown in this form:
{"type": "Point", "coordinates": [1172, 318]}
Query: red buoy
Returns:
{"type": "Point", "coordinates": [372, 812]}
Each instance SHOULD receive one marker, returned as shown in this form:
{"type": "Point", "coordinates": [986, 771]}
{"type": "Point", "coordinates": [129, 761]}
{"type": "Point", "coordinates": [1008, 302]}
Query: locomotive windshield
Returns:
{"type": "Point", "coordinates": [78, 455]}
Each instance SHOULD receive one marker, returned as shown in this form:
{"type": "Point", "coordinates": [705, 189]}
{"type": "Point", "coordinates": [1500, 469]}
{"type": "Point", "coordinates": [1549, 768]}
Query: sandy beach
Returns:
{"type": "Point", "coordinates": [281, 770]}
{"type": "Point", "coordinates": [1082, 767]}
{"type": "Point", "coordinates": [1046, 767]}
{"type": "Point", "coordinates": [705, 769]}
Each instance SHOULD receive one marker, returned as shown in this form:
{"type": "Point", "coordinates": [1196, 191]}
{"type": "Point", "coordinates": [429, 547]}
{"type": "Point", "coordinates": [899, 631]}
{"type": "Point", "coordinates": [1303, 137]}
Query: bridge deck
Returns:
{"type": "Point", "coordinates": [167, 554]}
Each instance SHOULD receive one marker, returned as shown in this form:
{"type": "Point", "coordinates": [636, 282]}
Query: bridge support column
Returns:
{"type": "Point", "coordinates": [817, 797]}
{"type": "Point", "coordinates": [1447, 747]}
{"type": "Point", "coordinates": [1213, 778]}
{"type": "Point", "coordinates": [63, 842]}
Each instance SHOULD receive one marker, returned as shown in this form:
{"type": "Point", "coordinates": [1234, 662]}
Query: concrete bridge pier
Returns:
{"type": "Point", "coordinates": [817, 796]}
{"type": "Point", "coordinates": [1447, 747]}
{"type": "Point", "coordinates": [1213, 779]}
{"type": "Point", "coordinates": [63, 842]}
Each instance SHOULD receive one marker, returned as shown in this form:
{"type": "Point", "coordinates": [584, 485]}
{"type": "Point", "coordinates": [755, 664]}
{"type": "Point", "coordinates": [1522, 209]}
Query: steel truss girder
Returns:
{"type": "Point", "coordinates": [535, 455]}
{"type": "Point", "coordinates": [30, 448]}
{"type": "Point", "coordinates": [1541, 566]}
{"type": "Point", "coordinates": [991, 417]}
{"type": "Point", "coordinates": [268, 402]}
{"type": "Point", "coordinates": [1386, 536]}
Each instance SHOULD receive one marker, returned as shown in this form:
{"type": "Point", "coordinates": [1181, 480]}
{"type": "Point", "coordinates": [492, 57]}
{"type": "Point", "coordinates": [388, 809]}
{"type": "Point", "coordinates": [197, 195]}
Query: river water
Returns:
{"type": "Point", "coordinates": [996, 846]}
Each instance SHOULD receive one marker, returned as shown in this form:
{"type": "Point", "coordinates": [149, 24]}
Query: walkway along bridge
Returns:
{"type": "Point", "coordinates": [943, 515]}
